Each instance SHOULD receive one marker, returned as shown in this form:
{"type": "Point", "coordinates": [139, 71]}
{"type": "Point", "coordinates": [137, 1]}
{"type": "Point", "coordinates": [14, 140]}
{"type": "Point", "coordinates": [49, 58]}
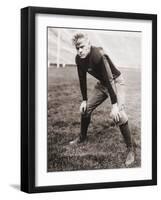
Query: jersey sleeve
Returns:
{"type": "Point", "coordinates": [82, 80]}
{"type": "Point", "coordinates": [108, 79]}
{"type": "Point", "coordinates": [114, 70]}
{"type": "Point", "coordinates": [106, 74]}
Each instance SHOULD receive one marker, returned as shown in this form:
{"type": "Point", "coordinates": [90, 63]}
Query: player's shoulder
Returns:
{"type": "Point", "coordinates": [96, 54]}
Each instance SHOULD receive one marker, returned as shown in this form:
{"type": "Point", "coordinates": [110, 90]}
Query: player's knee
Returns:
{"type": "Point", "coordinates": [123, 118]}
{"type": "Point", "coordinates": [85, 115]}
{"type": "Point", "coordinates": [89, 109]}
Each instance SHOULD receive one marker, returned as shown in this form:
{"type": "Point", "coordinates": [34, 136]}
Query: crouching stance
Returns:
{"type": "Point", "coordinates": [93, 60]}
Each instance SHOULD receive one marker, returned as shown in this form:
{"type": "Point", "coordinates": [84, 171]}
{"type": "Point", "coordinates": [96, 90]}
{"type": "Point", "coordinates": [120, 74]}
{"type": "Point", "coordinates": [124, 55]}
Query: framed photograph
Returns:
{"type": "Point", "coordinates": [88, 99]}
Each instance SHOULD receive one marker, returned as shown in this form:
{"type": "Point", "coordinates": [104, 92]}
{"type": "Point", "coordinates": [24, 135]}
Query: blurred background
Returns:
{"type": "Point", "coordinates": [123, 47]}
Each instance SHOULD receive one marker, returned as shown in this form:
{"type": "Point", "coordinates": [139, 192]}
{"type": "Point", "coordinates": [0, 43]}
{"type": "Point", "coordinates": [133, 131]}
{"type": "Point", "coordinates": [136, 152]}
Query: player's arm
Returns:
{"type": "Point", "coordinates": [109, 82]}
{"type": "Point", "coordinates": [83, 82]}
{"type": "Point", "coordinates": [83, 87]}
{"type": "Point", "coordinates": [113, 68]}
{"type": "Point", "coordinates": [108, 79]}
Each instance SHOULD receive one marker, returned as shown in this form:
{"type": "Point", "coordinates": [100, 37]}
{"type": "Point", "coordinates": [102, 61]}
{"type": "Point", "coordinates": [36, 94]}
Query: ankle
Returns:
{"type": "Point", "coordinates": [82, 138]}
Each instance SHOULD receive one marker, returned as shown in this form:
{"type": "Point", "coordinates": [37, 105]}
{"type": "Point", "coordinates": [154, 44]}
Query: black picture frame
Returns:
{"type": "Point", "coordinates": [28, 91]}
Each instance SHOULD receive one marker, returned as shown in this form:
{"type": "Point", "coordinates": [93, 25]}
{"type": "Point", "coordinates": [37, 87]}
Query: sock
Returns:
{"type": "Point", "coordinates": [124, 128]}
{"type": "Point", "coordinates": [85, 121]}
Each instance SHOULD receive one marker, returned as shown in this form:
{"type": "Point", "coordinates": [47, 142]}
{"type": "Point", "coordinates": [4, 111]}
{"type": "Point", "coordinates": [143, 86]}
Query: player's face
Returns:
{"type": "Point", "coordinates": [83, 48]}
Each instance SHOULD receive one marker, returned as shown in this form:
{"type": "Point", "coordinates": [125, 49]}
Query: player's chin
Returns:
{"type": "Point", "coordinates": [83, 56]}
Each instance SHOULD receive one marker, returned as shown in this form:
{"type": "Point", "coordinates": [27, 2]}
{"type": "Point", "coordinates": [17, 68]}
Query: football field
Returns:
{"type": "Point", "coordinates": [105, 148]}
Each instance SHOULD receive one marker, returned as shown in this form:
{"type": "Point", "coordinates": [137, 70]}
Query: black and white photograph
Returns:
{"type": "Point", "coordinates": [94, 99]}
{"type": "Point", "coordinates": [91, 89]}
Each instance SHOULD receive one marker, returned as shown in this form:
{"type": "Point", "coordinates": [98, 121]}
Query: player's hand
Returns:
{"type": "Point", "coordinates": [115, 113]}
{"type": "Point", "coordinates": [83, 107]}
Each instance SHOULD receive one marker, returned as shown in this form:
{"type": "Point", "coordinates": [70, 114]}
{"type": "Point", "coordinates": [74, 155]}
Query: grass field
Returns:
{"type": "Point", "coordinates": [105, 148]}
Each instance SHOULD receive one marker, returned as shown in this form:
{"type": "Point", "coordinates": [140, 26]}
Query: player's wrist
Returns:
{"type": "Point", "coordinates": [114, 105]}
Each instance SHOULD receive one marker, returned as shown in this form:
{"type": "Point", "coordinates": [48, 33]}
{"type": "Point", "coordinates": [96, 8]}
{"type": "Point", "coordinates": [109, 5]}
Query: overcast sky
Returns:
{"type": "Point", "coordinates": [124, 48]}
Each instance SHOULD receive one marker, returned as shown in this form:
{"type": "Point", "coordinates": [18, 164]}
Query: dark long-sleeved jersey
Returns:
{"type": "Point", "coordinates": [99, 66]}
